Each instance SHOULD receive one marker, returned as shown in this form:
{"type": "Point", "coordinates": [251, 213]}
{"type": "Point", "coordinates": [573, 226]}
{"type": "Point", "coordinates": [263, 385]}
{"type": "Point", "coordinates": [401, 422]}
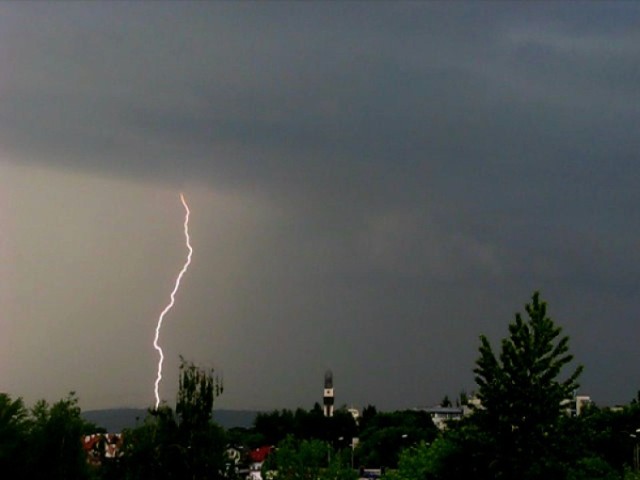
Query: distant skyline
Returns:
{"type": "Point", "coordinates": [372, 186]}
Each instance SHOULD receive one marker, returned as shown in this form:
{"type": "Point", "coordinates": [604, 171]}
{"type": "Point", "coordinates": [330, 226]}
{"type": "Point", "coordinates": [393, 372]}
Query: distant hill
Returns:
{"type": "Point", "coordinates": [114, 420]}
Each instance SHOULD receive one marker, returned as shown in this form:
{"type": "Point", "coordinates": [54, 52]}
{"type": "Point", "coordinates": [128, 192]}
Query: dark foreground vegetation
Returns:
{"type": "Point", "coordinates": [521, 430]}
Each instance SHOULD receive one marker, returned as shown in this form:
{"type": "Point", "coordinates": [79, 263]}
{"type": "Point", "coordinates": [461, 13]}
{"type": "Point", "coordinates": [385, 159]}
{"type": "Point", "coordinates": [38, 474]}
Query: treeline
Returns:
{"type": "Point", "coordinates": [46, 442]}
{"type": "Point", "coordinates": [43, 442]}
{"type": "Point", "coordinates": [375, 440]}
{"type": "Point", "coordinates": [600, 444]}
{"type": "Point", "coordinates": [521, 429]}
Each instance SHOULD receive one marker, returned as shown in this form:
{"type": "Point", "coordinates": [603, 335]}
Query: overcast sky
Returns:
{"type": "Point", "coordinates": [372, 186]}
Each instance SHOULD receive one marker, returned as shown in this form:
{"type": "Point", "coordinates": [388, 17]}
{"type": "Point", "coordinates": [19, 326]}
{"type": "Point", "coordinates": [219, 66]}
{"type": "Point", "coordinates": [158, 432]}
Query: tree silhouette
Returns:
{"type": "Point", "coordinates": [522, 393]}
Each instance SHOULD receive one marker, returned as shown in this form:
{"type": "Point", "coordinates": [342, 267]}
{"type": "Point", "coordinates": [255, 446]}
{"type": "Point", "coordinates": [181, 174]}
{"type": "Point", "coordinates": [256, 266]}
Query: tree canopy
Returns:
{"type": "Point", "coordinates": [186, 444]}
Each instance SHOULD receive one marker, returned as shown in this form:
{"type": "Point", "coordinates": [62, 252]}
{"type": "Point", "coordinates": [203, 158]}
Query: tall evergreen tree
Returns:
{"type": "Point", "coordinates": [522, 395]}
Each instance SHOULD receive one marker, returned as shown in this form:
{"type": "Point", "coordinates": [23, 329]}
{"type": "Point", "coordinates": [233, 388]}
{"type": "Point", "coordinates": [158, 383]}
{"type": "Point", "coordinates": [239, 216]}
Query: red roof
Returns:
{"type": "Point", "coordinates": [259, 454]}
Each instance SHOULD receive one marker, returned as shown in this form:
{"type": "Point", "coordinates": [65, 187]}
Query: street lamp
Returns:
{"type": "Point", "coordinates": [636, 450]}
{"type": "Point", "coordinates": [354, 442]}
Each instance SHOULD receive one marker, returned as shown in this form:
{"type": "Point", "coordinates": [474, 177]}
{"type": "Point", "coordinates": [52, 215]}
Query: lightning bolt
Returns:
{"type": "Point", "coordinates": [173, 298]}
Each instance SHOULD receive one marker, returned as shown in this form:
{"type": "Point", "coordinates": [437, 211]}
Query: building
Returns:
{"type": "Point", "coordinates": [355, 413]}
{"type": "Point", "coordinates": [441, 415]}
{"type": "Point", "coordinates": [576, 406]}
{"type": "Point", "coordinates": [102, 446]}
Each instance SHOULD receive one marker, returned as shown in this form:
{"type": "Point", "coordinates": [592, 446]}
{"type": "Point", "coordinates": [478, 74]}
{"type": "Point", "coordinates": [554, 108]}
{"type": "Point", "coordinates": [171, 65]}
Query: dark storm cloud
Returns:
{"type": "Point", "coordinates": [292, 91]}
{"type": "Point", "coordinates": [434, 154]}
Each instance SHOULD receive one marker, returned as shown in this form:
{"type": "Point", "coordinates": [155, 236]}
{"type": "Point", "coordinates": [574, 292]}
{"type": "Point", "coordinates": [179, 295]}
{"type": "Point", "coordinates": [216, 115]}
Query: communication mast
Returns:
{"type": "Point", "coordinates": [327, 398]}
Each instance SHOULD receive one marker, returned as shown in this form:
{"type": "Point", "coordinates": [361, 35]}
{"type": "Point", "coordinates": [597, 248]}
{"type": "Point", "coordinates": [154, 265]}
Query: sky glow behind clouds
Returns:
{"type": "Point", "coordinates": [372, 186]}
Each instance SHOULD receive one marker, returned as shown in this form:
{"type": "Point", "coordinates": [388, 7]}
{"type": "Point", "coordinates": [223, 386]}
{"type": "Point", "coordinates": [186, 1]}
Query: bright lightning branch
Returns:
{"type": "Point", "coordinates": [173, 299]}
